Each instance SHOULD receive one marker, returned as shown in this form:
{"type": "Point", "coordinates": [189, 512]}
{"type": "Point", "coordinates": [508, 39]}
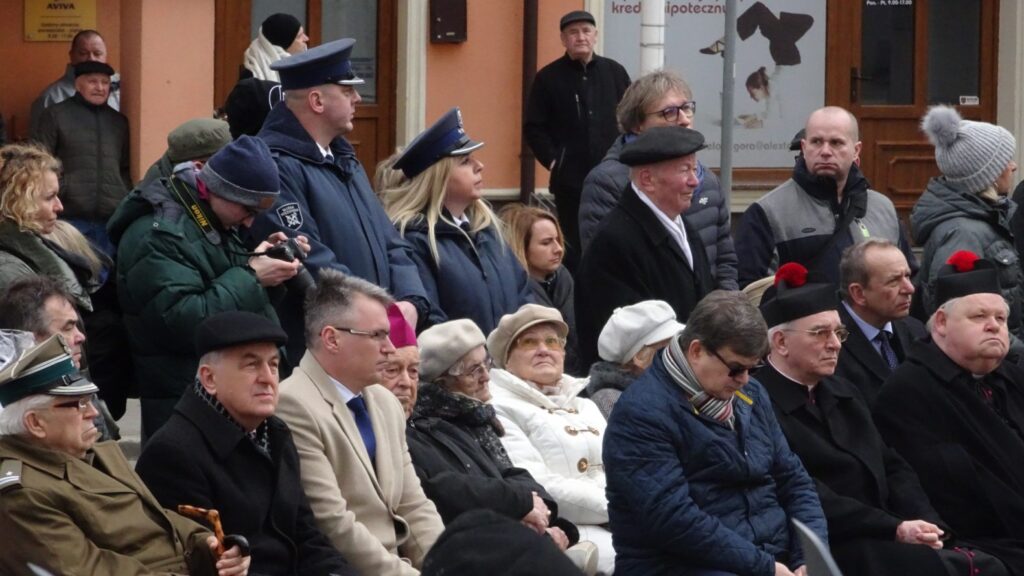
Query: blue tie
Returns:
{"type": "Point", "coordinates": [888, 354]}
{"type": "Point", "coordinates": [358, 407]}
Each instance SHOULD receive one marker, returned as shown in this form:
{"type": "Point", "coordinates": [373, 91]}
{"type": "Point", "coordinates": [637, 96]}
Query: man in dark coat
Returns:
{"type": "Point", "coordinates": [644, 249]}
{"type": "Point", "coordinates": [224, 449]}
{"type": "Point", "coordinates": [325, 194]}
{"type": "Point", "coordinates": [570, 118]}
{"type": "Point", "coordinates": [880, 522]}
{"type": "Point", "coordinates": [955, 411]}
{"type": "Point", "coordinates": [876, 290]}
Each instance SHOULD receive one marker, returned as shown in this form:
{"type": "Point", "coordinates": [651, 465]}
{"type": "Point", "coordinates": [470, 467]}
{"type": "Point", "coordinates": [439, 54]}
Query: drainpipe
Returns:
{"type": "Point", "coordinates": [652, 35]}
{"type": "Point", "coordinates": [527, 163]}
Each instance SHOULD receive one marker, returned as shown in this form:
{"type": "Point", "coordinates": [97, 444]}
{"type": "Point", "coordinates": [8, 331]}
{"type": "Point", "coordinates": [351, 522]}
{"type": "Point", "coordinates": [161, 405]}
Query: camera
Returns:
{"type": "Point", "coordinates": [290, 251]}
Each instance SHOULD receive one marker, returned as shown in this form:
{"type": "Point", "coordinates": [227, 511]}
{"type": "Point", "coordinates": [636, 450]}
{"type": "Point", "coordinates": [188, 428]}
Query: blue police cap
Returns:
{"type": "Point", "coordinates": [445, 138]}
{"type": "Point", "coordinates": [328, 63]}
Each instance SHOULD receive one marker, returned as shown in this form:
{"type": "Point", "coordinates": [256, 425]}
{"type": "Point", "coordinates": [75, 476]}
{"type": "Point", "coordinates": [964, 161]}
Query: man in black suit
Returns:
{"type": "Point", "coordinates": [644, 250]}
{"type": "Point", "coordinates": [876, 292]}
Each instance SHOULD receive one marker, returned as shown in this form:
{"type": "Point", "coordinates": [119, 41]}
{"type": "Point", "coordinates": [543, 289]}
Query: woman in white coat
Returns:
{"type": "Point", "coordinates": [549, 429]}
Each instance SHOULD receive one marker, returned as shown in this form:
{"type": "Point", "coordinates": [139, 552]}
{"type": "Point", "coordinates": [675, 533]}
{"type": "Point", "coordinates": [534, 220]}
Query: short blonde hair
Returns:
{"type": "Point", "coordinates": [22, 168]}
{"type": "Point", "coordinates": [519, 220]}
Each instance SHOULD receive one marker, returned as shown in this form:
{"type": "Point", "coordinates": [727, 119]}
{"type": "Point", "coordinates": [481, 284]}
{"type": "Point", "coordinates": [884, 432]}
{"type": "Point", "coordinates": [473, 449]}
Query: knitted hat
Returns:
{"type": "Point", "coordinates": [971, 155]}
{"type": "Point", "coordinates": [281, 29]}
{"type": "Point", "coordinates": [243, 172]}
{"type": "Point", "coordinates": [500, 340]}
{"type": "Point", "coordinates": [793, 297]}
{"type": "Point", "coordinates": [632, 327]}
{"type": "Point", "coordinates": [197, 138]}
{"type": "Point", "coordinates": [442, 345]}
{"type": "Point", "coordinates": [402, 335]}
{"type": "Point", "coordinates": [963, 274]}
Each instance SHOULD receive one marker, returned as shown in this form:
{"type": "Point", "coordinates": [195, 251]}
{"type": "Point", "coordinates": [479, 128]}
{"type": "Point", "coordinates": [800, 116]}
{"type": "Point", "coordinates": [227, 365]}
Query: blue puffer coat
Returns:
{"type": "Point", "coordinates": [685, 491]}
{"type": "Point", "coordinates": [480, 279]}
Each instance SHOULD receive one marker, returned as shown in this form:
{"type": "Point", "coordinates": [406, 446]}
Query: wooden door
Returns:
{"type": "Point", "coordinates": [889, 60]}
{"type": "Point", "coordinates": [376, 59]}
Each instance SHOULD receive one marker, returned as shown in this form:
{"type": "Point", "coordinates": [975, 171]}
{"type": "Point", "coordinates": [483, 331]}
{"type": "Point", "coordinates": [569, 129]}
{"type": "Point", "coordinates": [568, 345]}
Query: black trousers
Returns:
{"type": "Point", "coordinates": [567, 201]}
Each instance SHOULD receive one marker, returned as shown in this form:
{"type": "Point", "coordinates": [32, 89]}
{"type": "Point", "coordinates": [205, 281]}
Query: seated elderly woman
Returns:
{"type": "Point", "coordinates": [627, 345]}
{"type": "Point", "coordinates": [549, 429]}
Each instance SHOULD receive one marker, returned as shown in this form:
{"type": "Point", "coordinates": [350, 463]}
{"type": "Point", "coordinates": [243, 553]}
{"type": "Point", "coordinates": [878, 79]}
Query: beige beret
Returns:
{"type": "Point", "coordinates": [512, 325]}
{"type": "Point", "coordinates": [442, 345]}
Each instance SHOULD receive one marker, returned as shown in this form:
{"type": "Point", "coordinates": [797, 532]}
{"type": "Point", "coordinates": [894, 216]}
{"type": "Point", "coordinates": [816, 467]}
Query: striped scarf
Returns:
{"type": "Point", "coordinates": [703, 403]}
{"type": "Point", "coordinates": [260, 437]}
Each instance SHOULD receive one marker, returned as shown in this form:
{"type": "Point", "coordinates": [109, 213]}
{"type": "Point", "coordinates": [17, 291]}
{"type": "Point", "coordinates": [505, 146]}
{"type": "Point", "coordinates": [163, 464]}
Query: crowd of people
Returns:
{"type": "Point", "coordinates": [340, 376]}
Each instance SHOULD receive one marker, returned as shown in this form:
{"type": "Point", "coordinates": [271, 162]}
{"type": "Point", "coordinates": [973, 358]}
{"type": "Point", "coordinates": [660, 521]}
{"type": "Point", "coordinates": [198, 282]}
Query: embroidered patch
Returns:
{"type": "Point", "coordinates": [290, 215]}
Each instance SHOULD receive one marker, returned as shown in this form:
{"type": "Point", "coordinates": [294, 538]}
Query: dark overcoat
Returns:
{"type": "Point", "coordinates": [634, 258]}
{"type": "Point", "coordinates": [201, 458]}
{"type": "Point", "coordinates": [968, 456]}
{"type": "Point", "coordinates": [859, 361]}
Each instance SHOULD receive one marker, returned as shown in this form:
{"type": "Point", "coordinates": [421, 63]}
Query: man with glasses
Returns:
{"type": "Point", "coordinates": [71, 505]}
{"type": "Point", "coordinates": [824, 207]}
{"type": "Point", "coordinates": [570, 118]}
{"type": "Point", "coordinates": [181, 260]}
{"type": "Point", "coordinates": [661, 98]}
{"type": "Point", "coordinates": [645, 249]}
{"type": "Point", "coordinates": [350, 432]}
{"type": "Point", "coordinates": [880, 519]}
{"type": "Point", "coordinates": [700, 478]}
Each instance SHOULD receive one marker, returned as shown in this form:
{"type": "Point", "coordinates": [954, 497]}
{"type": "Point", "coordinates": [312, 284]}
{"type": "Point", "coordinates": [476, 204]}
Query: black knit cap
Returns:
{"type": "Point", "coordinates": [793, 296]}
{"type": "Point", "coordinates": [963, 274]}
{"type": "Point", "coordinates": [661, 143]}
{"type": "Point", "coordinates": [281, 29]}
{"type": "Point", "coordinates": [235, 328]}
{"type": "Point", "coordinates": [93, 67]}
{"type": "Point", "coordinates": [576, 16]}
{"type": "Point", "coordinates": [794, 144]}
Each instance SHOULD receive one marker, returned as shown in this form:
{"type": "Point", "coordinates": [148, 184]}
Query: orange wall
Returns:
{"type": "Point", "coordinates": [483, 77]}
{"type": "Point", "coordinates": [28, 67]}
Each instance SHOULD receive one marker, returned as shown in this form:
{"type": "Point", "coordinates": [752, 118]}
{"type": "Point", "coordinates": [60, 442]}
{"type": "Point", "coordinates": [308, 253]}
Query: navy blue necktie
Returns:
{"type": "Point", "coordinates": [358, 407]}
{"type": "Point", "coordinates": [888, 354]}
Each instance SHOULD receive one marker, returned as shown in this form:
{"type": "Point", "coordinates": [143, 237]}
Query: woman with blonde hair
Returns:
{"type": "Point", "coordinates": [458, 246]}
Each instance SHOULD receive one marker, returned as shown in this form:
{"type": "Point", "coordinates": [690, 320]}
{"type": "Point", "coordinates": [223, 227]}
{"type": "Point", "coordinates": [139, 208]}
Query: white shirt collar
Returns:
{"type": "Point", "coordinates": [325, 152]}
{"type": "Point", "coordinates": [346, 394]}
{"type": "Point", "coordinates": [674, 227]}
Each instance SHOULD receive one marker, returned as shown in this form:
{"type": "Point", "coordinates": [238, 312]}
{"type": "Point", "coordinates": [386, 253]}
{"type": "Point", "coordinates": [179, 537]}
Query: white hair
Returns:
{"type": "Point", "coordinates": [775, 329]}
{"type": "Point", "coordinates": [12, 416]}
{"type": "Point", "coordinates": [210, 358]}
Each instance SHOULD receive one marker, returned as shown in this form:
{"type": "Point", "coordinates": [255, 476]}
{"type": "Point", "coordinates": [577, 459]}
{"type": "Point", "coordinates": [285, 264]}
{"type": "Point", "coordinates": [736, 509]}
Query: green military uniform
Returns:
{"type": "Point", "coordinates": [91, 516]}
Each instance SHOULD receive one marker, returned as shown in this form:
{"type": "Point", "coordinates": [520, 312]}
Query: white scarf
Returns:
{"type": "Point", "coordinates": [260, 54]}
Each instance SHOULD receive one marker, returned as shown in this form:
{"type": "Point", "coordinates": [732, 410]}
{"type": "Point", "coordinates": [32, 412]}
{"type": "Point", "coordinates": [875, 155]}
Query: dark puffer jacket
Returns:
{"type": "Point", "coordinates": [708, 213]}
{"type": "Point", "coordinates": [92, 143]}
{"type": "Point", "coordinates": [685, 490]}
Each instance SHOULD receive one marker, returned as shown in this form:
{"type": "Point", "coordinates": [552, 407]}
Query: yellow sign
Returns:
{"type": "Point", "coordinates": [57, 20]}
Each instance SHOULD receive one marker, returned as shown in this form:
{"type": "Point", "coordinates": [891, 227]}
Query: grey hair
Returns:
{"type": "Point", "coordinates": [332, 299]}
{"type": "Point", "coordinates": [12, 416]}
{"type": "Point", "coordinates": [25, 304]}
{"type": "Point", "coordinates": [853, 266]}
{"type": "Point", "coordinates": [210, 358]}
{"type": "Point", "coordinates": [776, 329]}
{"type": "Point", "coordinates": [645, 92]}
{"type": "Point", "coordinates": [727, 319]}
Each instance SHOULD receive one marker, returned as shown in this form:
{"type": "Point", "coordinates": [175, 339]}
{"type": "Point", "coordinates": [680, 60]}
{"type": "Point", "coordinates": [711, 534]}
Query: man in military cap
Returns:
{"type": "Point", "coordinates": [193, 141]}
{"type": "Point", "coordinates": [644, 249]}
{"type": "Point", "coordinates": [954, 409]}
{"type": "Point", "coordinates": [325, 193]}
{"type": "Point", "coordinates": [74, 506]}
{"type": "Point", "coordinates": [223, 448]}
{"type": "Point", "coordinates": [570, 118]}
{"type": "Point", "coordinates": [181, 260]}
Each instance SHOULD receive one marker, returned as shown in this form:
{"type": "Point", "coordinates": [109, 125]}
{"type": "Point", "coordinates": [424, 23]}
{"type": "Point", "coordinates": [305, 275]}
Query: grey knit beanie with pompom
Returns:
{"type": "Point", "coordinates": [971, 155]}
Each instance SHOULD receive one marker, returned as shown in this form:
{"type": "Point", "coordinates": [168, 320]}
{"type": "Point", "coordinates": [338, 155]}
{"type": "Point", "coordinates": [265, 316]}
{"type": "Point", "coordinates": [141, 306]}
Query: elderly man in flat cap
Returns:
{"type": "Point", "coordinates": [193, 141]}
{"type": "Point", "coordinates": [70, 505]}
{"type": "Point", "coordinates": [645, 250]}
{"type": "Point", "coordinates": [223, 448]}
{"type": "Point", "coordinates": [955, 411]}
{"type": "Point", "coordinates": [181, 260]}
{"type": "Point", "coordinates": [325, 193]}
{"type": "Point", "coordinates": [880, 521]}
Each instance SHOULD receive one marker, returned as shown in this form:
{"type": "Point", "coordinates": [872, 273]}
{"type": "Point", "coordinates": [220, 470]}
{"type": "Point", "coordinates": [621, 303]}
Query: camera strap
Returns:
{"type": "Point", "coordinates": [191, 205]}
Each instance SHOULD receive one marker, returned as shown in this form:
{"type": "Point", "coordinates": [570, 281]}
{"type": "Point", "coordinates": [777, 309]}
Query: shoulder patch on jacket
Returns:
{"type": "Point", "coordinates": [10, 475]}
{"type": "Point", "coordinates": [290, 215]}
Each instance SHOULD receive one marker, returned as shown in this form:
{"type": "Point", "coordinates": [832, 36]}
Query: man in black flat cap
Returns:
{"type": "Point", "coordinates": [570, 118]}
{"type": "Point", "coordinates": [223, 448]}
{"type": "Point", "coordinates": [955, 411]}
{"type": "Point", "coordinates": [644, 249]}
{"type": "Point", "coordinates": [325, 193]}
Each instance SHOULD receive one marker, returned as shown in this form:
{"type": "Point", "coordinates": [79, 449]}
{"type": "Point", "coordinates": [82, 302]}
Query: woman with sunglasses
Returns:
{"type": "Point", "coordinates": [549, 429]}
{"type": "Point", "coordinates": [660, 98]}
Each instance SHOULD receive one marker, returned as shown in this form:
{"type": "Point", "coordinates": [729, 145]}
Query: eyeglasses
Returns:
{"type": "Point", "coordinates": [531, 343]}
{"type": "Point", "coordinates": [736, 370]}
{"type": "Point", "coordinates": [82, 403]}
{"type": "Point", "coordinates": [474, 371]}
{"type": "Point", "coordinates": [377, 335]}
{"type": "Point", "coordinates": [671, 114]}
{"type": "Point", "coordinates": [823, 333]}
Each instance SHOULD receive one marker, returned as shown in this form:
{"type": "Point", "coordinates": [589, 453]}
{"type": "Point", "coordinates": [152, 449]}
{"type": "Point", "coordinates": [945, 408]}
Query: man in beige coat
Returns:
{"type": "Point", "coordinates": [350, 433]}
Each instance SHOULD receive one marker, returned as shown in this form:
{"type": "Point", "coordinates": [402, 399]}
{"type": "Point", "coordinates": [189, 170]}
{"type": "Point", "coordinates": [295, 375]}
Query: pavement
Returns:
{"type": "Point", "coordinates": [131, 430]}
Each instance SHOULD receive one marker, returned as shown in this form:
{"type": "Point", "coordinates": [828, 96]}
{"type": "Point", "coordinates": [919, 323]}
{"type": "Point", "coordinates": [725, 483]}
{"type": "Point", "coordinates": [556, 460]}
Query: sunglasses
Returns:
{"type": "Point", "coordinates": [736, 370]}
